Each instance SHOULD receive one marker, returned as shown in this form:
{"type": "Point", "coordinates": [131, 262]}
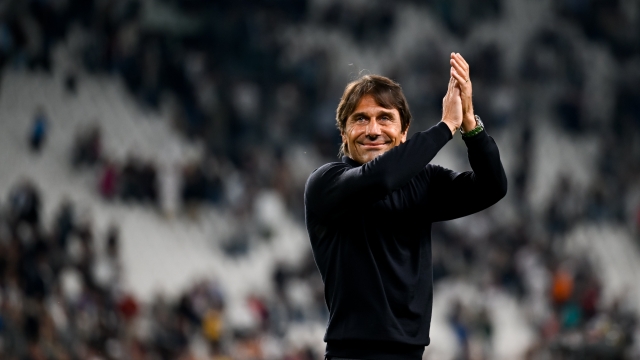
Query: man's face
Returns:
{"type": "Point", "coordinates": [371, 130]}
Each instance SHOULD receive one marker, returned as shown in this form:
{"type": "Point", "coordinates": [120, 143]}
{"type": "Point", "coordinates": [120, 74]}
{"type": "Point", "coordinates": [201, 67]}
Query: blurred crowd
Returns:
{"type": "Point", "coordinates": [227, 75]}
{"type": "Point", "coordinates": [59, 291]}
{"type": "Point", "coordinates": [165, 185]}
{"type": "Point", "coordinates": [61, 297]}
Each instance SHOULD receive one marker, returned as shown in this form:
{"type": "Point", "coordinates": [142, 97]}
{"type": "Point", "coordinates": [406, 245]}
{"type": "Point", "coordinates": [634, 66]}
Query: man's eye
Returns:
{"type": "Point", "coordinates": [360, 119]}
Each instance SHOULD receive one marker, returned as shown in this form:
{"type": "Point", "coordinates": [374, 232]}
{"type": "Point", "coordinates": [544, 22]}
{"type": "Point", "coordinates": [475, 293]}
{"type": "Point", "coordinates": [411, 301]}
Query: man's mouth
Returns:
{"type": "Point", "coordinates": [374, 145]}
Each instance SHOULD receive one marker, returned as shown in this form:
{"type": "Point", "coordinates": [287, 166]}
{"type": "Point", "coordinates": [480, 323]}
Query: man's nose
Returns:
{"type": "Point", "coordinates": [373, 128]}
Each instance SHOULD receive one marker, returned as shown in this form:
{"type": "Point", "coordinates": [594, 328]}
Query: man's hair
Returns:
{"type": "Point", "coordinates": [386, 92]}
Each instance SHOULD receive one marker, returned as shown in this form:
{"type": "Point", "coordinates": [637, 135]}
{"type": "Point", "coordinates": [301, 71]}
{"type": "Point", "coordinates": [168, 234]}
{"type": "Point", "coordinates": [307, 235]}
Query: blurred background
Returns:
{"type": "Point", "coordinates": [153, 156]}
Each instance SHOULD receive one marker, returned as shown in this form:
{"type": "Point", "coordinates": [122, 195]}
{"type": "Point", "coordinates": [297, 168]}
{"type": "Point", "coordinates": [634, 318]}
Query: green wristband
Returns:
{"type": "Point", "coordinates": [477, 130]}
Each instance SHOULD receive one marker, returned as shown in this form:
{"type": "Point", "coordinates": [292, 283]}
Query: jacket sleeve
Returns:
{"type": "Point", "coordinates": [453, 195]}
{"type": "Point", "coordinates": [336, 187]}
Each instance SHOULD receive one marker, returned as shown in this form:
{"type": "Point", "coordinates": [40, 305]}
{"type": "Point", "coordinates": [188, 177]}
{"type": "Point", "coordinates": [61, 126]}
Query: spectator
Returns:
{"type": "Point", "coordinates": [39, 131]}
{"type": "Point", "coordinates": [87, 148]}
{"type": "Point", "coordinates": [108, 185]}
{"type": "Point", "coordinates": [25, 204]}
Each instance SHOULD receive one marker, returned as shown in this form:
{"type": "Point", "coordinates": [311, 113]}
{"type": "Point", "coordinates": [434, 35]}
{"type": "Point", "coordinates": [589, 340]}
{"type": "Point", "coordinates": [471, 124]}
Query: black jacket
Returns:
{"type": "Point", "coordinates": [370, 231]}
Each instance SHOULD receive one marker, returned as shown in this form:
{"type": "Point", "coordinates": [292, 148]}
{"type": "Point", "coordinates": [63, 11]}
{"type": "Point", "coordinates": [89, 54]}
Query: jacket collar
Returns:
{"type": "Point", "coordinates": [350, 161]}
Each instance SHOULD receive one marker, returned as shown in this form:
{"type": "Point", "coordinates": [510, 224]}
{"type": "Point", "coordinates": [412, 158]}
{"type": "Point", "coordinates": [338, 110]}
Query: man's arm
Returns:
{"type": "Point", "coordinates": [336, 187]}
{"type": "Point", "coordinates": [453, 195]}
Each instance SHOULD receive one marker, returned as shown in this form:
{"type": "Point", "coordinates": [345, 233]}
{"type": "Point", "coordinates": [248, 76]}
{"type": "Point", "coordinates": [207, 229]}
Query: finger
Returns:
{"type": "Point", "coordinates": [462, 61]}
{"type": "Point", "coordinates": [459, 61]}
{"type": "Point", "coordinates": [456, 57]}
{"type": "Point", "coordinates": [459, 78]}
{"type": "Point", "coordinates": [449, 89]}
{"type": "Point", "coordinates": [457, 67]}
{"type": "Point", "coordinates": [451, 83]}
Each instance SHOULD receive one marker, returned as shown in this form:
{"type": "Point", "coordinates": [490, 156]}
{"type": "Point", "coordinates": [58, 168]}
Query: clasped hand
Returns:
{"type": "Point", "coordinates": [457, 106]}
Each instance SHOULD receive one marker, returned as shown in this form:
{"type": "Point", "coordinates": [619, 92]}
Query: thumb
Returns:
{"type": "Point", "coordinates": [456, 90]}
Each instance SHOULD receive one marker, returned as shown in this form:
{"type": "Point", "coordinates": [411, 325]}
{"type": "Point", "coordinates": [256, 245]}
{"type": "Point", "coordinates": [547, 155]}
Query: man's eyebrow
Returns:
{"type": "Point", "coordinates": [378, 113]}
{"type": "Point", "coordinates": [388, 113]}
{"type": "Point", "coordinates": [362, 113]}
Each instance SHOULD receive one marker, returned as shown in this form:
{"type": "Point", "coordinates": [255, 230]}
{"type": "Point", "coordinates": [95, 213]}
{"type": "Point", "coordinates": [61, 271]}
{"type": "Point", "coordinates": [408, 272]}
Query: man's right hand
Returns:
{"type": "Point", "coordinates": [452, 106]}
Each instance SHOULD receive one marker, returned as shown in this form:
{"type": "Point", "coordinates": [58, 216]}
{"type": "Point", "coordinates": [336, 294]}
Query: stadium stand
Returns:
{"type": "Point", "coordinates": [153, 156]}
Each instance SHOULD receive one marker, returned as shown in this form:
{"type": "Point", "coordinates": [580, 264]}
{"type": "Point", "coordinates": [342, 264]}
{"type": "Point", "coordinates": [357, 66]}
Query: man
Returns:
{"type": "Point", "coordinates": [369, 217]}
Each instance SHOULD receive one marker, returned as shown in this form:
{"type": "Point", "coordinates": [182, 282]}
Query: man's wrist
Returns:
{"type": "Point", "coordinates": [469, 123]}
{"type": "Point", "coordinates": [473, 132]}
{"type": "Point", "coordinates": [451, 126]}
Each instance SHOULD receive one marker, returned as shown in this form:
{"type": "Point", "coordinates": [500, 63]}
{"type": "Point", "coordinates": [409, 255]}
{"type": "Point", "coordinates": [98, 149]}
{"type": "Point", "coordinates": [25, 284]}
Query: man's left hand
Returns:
{"type": "Point", "coordinates": [461, 74]}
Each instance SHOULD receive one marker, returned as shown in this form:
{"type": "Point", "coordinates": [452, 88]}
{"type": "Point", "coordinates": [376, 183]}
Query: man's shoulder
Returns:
{"type": "Point", "coordinates": [330, 165]}
{"type": "Point", "coordinates": [321, 176]}
{"type": "Point", "coordinates": [326, 168]}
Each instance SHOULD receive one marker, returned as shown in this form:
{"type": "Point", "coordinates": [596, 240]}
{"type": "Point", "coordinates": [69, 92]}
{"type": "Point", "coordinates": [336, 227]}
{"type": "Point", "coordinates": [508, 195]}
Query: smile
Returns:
{"type": "Point", "coordinates": [373, 145]}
